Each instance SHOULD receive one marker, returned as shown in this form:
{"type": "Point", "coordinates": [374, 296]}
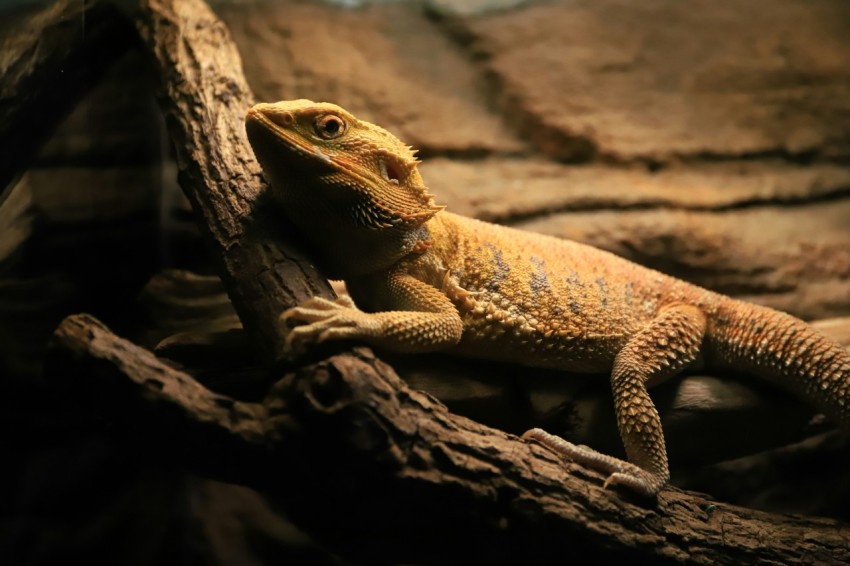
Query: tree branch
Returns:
{"type": "Point", "coordinates": [381, 472]}
{"type": "Point", "coordinates": [128, 383]}
{"type": "Point", "coordinates": [204, 97]}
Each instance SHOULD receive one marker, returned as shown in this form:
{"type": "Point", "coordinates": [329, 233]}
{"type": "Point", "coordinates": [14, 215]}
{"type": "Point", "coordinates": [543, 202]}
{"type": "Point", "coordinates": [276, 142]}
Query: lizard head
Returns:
{"type": "Point", "coordinates": [340, 176]}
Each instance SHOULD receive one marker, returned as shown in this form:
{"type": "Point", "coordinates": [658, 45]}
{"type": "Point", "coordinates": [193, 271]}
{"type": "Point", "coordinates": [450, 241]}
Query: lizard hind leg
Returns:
{"type": "Point", "coordinates": [664, 347]}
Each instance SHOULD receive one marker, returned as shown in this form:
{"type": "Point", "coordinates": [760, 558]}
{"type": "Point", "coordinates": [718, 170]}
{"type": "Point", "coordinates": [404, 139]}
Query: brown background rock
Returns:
{"type": "Point", "coordinates": [388, 64]}
{"type": "Point", "coordinates": [658, 79]}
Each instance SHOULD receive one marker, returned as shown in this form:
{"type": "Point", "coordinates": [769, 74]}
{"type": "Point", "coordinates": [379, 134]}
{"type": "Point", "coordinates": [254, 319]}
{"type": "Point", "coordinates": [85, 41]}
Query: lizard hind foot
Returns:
{"type": "Point", "coordinates": [621, 472]}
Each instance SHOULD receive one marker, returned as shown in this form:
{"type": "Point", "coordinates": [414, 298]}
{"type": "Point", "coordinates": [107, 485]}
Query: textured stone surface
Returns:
{"type": "Point", "coordinates": [387, 64]}
{"type": "Point", "coordinates": [94, 194]}
{"type": "Point", "coordinates": [662, 78]}
{"type": "Point", "coordinates": [503, 190]}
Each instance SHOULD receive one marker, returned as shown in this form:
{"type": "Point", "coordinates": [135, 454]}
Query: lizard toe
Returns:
{"type": "Point", "coordinates": [645, 483]}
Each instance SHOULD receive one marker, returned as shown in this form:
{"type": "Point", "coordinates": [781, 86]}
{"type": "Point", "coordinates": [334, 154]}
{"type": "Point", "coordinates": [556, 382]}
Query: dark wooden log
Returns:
{"type": "Point", "coordinates": [126, 382]}
{"type": "Point", "coordinates": [49, 60]}
{"type": "Point", "coordinates": [383, 473]}
{"type": "Point", "coordinates": [204, 97]}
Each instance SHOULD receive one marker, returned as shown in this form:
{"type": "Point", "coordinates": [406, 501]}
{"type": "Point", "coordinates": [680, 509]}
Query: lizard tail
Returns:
{"type": "Point", "coordinates": [784, 350]}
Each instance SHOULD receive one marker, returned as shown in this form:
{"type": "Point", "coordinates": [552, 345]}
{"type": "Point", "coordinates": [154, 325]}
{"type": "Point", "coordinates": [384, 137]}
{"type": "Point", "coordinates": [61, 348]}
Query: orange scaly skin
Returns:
{"type": "Point", "coordinates": [427, 280]}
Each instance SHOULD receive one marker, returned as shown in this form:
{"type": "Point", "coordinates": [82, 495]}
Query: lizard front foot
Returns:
{"type": "Point", "coordinates": [621, 472]}
{"type": "Point", "coordinates": [324, 320]}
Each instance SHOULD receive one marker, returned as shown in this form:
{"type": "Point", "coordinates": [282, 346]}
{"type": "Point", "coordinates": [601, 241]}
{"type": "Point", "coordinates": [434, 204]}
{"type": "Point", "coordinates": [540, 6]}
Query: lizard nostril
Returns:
{"type": "Point", "coordinates": [269, 112]}
{"type": "Point", "coordinates": [281, 118]}
{"type": "Point", "coordinates": [285, 119]}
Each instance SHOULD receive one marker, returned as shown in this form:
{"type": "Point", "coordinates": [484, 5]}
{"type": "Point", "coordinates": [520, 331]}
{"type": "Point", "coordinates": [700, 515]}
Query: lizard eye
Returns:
{"type": "Point", "coordinates": [330, 126]}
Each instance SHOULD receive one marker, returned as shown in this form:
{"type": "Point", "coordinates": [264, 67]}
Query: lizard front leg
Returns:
{"type": "Point", "coordinates": [419, 318]}
{"type": "Point", "coordinates": [667, 345]}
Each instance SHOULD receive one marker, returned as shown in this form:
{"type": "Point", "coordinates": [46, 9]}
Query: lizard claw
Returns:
{"type": "Point", "coordinates": [323, 320]}
{"type": "Point", "coordinates": [316, 304]}
{"type": "Point", "coordinates": [641, 482]}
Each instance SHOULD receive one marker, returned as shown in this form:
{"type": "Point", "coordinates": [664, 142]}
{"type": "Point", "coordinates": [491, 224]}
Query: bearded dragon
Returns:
{"type": "Point", "coordinates": [424, 280]}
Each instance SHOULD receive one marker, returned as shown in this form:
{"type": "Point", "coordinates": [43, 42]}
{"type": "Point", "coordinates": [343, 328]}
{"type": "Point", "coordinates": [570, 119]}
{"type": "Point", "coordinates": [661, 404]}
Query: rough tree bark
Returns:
{"type": "Point", "coordinates": [377, 471]}
{"type": "Point", "coordinates": [380, 472]}
{"type": "Point", "coordinates": [204, 97]}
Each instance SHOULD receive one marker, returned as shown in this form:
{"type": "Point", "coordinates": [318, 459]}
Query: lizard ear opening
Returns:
{"type": "Point", "coordinates": [390, 172]}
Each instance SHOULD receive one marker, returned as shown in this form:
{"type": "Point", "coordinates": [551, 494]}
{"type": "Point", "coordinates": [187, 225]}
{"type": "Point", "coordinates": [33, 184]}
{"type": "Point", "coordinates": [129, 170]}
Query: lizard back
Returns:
{"type": "Point", "coordinates": [540, 300]}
